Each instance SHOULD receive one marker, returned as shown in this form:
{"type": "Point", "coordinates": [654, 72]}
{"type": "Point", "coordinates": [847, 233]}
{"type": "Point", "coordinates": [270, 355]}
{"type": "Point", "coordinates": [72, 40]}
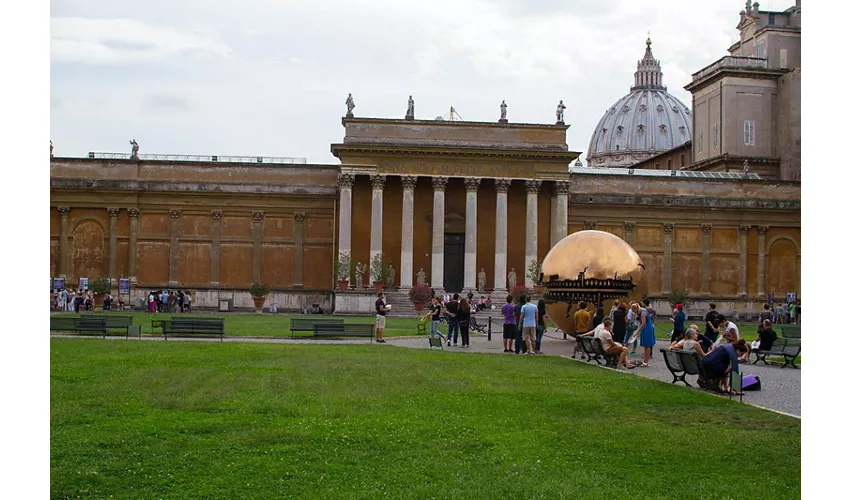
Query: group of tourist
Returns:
{"type": "Point", "coordinates": [74, 300]}
{"type": "Point", "coordinates": [625, 324]}
{"type": "Point", "coordinates": [165, 301]}
{"type": "Point", "coordinates": [783, 313]}
{"type": "Point", "coordinates": [524, 325]}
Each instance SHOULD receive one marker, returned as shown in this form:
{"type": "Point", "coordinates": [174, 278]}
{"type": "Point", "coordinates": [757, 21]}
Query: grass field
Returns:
{"type": "Point", "coordinates": [233, 420]}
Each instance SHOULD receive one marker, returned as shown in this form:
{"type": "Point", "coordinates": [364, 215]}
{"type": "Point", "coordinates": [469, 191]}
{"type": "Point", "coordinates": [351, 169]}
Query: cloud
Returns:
{"type": "Point", "coordinates": [167, 102]}
{"type": "Point", "coordinates": [125, 41]}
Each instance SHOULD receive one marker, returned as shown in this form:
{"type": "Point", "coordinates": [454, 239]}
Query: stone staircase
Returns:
{"type": "Point", "coordinates": [402, 306]}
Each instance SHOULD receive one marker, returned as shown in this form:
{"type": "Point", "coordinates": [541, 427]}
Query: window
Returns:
{"type": "Point", "coordinates": [699, 142]}
{"type": "Point", "coordinates": [749, 133]}
{"type": "Point", "coordinates": [771, 18]}
{"type": "Point", "coordinates": [669, 164]}
{"type": "Point", "coordinates": [716, 134]}
{"type": "Point", "coordinates": [760, 49]}
{"type": "Point", "coordinates": [683, 160]}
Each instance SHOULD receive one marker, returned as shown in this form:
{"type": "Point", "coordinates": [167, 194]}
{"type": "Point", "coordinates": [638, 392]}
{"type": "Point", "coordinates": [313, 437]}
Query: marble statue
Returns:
{"type": "Point", "coordinates": [559, 113]}
{"type": "Point", "coordinates": [409, 115]}
{"type": "Point", "coordinates": [390, 277]}
{"type": "Point", "coordinates": [504, 108]}
{"type": "Point", "coordinates": [134, 153]}
{"type": "Point", "coordinates": [482, 280]}
{"type": "Point", "coordinates": [358, 271]}
{"type": "Point", "coordinates": [51, 149]}
{"type": "Point", "coordinates": [349, 103]}
{"type": "Point", "coordinates": [420, 277]}
{"type": "Point", "coordinates": [511, 279]}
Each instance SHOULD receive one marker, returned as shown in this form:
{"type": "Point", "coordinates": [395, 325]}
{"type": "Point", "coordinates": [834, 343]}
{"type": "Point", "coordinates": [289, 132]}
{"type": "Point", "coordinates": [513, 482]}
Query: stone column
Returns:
{"type": "Point", "coordinates": [762, 252]}
{"type": "Point", "coordinates": [667, 267]}
{"type": "Point", "coordinates": [345, 183]}
{"type": "Point", "coordinates": [562, 190]}
{"type": "Point", "coordinates": [500, 271]}
{"type": "Point", "coordinates": [705, 269]}
{"type": "Point", "coordinates": [113, 242]}
{"type": "Point", "coordinates": [377, 238]}
{"type": "Point", "coordinates": [63, 241]}
{"type": "Point", "coordinates": [408, 184]}
{"type": "Point", "coordinates": [257, 238]}
{"type": "Point", "coordinates": [298, 235]}
{"type": "Point", "coordinates": [132, 257]}
{"type": "Point", "coordinates": [215, 247]}
{"type": "Point", "coordinates": [553, 209]}
{"type": "Point", "coordinates": [438, 233]}
{"type": "Point", "coordinates": [743, 233]}
{"type": "Point", "coordinates": [470, 253]}
{"type": "Point", "coordinates": [531, 189]}
{"type": "Point", "coordinates": [629, 227]}
{"type": "Point", "coordinates": [173, 247]}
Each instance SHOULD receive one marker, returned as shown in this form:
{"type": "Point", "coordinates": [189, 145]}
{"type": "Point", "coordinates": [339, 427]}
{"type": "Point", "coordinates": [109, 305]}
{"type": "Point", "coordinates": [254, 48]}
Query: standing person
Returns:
{"type": "Point", "coordinates": [619, 323]}
{"type": "Point", "coordinates": [463, 311]}
{"type": "Point", "coordinates": [583, 324]}
{"type": "Point", "coordinates": [519, 345]}
{"type": "Point", "coordinates": [451, 316]}
{"type": "Point", "coordinates": [678, 323]}
{"type": "Point", "coordinates": [180, 299]}
{"type": "Point", "coordinates": [509, 326]}
{"type": "Point", "coordinates": [765, 315]}
{"type": "Point", "coordinates": [792, 313]}
{"type": "Point", "coordinates": [541, 324]}
{"type": "Point", "coordinates": [614, 309]}
{"type": "Point", "coordinates": [528, 320]}
{"type": "Point", "coordinates": [63, 300]}
{"type": "Point", "coordinates": [598, 316]}
{"type": "Point", "coordinates": [711, 323]}
{"type": "Point", "coordinates": [188, 301]}
{"type": "Point", "coordinates": [436, 308]}
{"type": "Point", "coordinates": [651, 311]}
{"type": "Point", "coordinates": [780, 314]}
{"type": "Point", "coordinates": [645, 331]}
{"type": "Point", "coordinates": [151, 303]}
{"type": "Point", "coordinates": [380, 318]}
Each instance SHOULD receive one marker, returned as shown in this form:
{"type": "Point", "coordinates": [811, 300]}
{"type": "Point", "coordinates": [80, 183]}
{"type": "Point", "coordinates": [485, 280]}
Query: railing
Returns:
{"type": "Point", "coordinates": [199, 158]}
{"type": "Point", "coordinates": [731, 62]}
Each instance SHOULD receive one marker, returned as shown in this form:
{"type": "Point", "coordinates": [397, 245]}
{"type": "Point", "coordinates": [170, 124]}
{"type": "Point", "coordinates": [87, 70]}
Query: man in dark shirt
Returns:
{"type": "Point", "coordinates": [541, 323]}
{"type": "Point", "coordinates": [711, 328]}
{"type": "Point", "coordinates": [766, 336]}
{"type": "Point", "coordinates": [380, 318]}
{"type": "Point", "coordinates": [451, 316]}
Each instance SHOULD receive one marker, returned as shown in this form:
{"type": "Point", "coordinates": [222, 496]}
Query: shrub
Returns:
{"type": "Point", "coordinates": [533, 272]}
{"type": "Point", "coordinates": [521, 290]}
{"type": "Point", "coordinates": [344, 266]}
{"type": "Point", "coordinates": [419, 293]}
{"type": "Point", "coordinates": [379, 270]}
{"type": "Point", "coordinates": [679, 297]}
{"type": "Point", "coordinates": [259, 290]}
{"type": "Point", "coordinates": [101, 286]}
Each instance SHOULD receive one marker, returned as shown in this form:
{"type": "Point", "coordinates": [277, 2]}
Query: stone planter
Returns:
{"type": "Point", "coordinates": [258, 303]}
{"type": "Point", "coordinates": [342, 285]}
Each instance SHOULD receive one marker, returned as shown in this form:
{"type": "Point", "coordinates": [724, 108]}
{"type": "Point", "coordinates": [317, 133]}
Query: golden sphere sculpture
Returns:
{"type": "Point", "coordinates": [594, 267]}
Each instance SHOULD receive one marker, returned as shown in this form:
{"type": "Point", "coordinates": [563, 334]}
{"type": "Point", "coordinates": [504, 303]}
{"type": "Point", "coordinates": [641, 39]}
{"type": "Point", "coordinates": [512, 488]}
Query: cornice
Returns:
{"type": "Point", "coordinates": [409, 150]}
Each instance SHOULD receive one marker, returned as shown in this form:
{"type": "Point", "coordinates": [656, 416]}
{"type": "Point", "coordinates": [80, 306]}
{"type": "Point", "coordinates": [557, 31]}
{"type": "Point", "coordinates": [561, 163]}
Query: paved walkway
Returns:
{"type": "Point", "coordinates": [781, 387]}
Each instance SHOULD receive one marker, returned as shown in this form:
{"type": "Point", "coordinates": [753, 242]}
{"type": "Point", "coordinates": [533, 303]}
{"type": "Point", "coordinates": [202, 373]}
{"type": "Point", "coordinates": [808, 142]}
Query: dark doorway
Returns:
{"type": "Point", "coordinates": [453, 264]}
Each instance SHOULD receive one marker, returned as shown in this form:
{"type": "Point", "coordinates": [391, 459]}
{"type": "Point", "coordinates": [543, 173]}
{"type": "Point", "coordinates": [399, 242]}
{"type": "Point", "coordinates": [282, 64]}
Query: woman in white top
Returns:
{"type": "Point", "coordinates": [689, 343]}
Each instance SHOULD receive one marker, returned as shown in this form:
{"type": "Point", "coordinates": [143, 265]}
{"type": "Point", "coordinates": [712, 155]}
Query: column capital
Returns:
{"type": "Point", "coordinates": [743, 229]}
{"type": "Point", "coordinates": [439, 183]}
{"type": "Point", "coordinates": [562, 187]}
{"type": "Point", "coordinates": [630, 226]}
{"type": "Point", "coordinates": [668, 227]}
{"type": "Point", "coordinates": [763, 229]}
{"type": "Point", "coordinates": [134, 213]}
{"type": "Point", "coordinates": [64, 211]}
{"type": "Point", "coordinates": [216, 214]}
{"type": "Point", "coordinates": [705, 228]}
{"type": "Point", "coordinates": [533, 186]}
{"type": "Point", "coordinates": [175, 214]}
{"type": "Point", "coordinates": [472, 183]}
{"type": "Point", "coordinates": [378, 181]}
{"type": "Point", "coordinates": [113, 212]}
{"type": "Point", "coordinates": [503, 185]}
{"type": "Point", "coordinates": [590, 224]}
{"type": "Point", "coordinates": [408, 181]}
{"type": "Point", "coordinates": [299, 217]}
{"type": "Point", "coordinates": [258, 216]}
{"type": "Point", "coordinates": [345, 181]}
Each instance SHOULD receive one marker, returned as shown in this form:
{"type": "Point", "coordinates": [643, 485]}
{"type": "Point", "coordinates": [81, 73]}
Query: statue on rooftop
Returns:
{"type": "Point", "coordinates": [51, 149]}
{"type": "Point", "coordinates": [409, 115]}
{"type": "Point", "coordinates": [349, 103]}
{"type": "Point", "coordinates": [504, 108]}
{"type": "Point", "coordinates": [559, 113]}
{"type": "Point", "coordinates": [134, 153]}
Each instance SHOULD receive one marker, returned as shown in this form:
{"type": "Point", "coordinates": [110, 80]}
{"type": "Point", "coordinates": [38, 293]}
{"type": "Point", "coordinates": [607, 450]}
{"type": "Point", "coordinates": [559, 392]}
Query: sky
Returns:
{"type": "Point", "coordinates": [270, 78]}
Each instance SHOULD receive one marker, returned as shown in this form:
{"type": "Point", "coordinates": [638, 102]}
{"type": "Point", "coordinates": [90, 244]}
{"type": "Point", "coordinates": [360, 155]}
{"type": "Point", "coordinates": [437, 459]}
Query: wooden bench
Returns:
{"type": "Point", "coordinates": [343, 330]}
{"type": "Point", "coordinates": [790, 332]}
{"type": "Point", "coordinates": [674, 364]}
{"type": "Point", "coordinates": [475, 326]}
{"type": "Point", "coordinates": [193, 326]}
{"type": "Point", "coordinates": [62, 324]}
{"type": "Point", "coordinates": [788, 348]}
{"type": "Point", "coordinates": [692, 364]}
{"type": "Point", "coordinates": [307, 324]}
{"type": "Point", "coordinates": [115, 322]}
{"type": "Point", "coordinates": [90, 324]}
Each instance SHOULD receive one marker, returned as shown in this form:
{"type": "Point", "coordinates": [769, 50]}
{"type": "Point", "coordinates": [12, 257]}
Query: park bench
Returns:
{"type": "Point", "coordinates": [790, 332]}
{"type": "Point", "coordinates": [193, 326]}
{"type": "Point", "coordinates": [788, 348]}
{"type": "Point", "coordinates": [343, 330]}
{"type": "Point", "coordinates": [692, 364]}
{"type": "Point", "coordinates": [674, 364]}
{"type": "Point", "coordinates": [475, 326]}
{"type": "Point", "coordinates": [115, 322]}
{"type": "Point", "coordinates": [307, 324]}
{"type": "Point", "coordinates": [63, 323]}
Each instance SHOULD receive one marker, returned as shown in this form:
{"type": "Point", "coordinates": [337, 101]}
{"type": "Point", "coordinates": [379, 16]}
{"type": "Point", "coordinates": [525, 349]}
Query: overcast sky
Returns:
{"type": "Point", "coordinates": [270, 78]}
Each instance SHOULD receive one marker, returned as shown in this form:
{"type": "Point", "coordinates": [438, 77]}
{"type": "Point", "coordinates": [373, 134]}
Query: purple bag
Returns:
{"type": "Point", "coordinates": [751, 382]}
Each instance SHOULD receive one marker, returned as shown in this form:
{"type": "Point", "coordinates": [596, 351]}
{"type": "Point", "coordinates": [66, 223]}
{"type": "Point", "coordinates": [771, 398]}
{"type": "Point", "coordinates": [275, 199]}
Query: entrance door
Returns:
{"type": "Point", "coordinates": [453, 264]}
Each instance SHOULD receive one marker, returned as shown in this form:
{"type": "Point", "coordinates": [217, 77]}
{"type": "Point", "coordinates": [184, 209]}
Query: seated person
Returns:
{"type": "Point", "coordinates": [766, 337]}
{"type": "Point", "coordinates": [488, 302]}
{"type": "Point", "coordinates": [704, 341]}
{"type": "Point", "coordinates": [720, 362]}
{"type": "Point", "coordinates": [603, 333]}
{"type": "Point", "coordinates": [689, 343]}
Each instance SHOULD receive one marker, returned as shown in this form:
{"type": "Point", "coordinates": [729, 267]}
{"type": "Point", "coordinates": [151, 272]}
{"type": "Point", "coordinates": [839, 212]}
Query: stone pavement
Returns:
{"type": "Point", "coordinates": [781, 387]}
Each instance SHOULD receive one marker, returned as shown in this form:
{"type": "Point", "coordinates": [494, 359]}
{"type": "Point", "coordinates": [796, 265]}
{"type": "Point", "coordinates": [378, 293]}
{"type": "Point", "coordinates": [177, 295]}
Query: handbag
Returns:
{"type": "Point", "coordinates": [751, 382]}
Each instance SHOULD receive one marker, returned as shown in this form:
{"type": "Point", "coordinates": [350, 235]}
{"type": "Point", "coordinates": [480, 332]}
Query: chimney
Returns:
{"type": "Point", "coordinates": [755, 9]}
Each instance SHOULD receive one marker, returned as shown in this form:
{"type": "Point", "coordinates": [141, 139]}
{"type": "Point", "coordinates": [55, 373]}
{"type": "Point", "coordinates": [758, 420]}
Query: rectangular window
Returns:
{"type": "Point", "coordinates": [683, 160]}
{"type": "Point", "coordinates": [761, 49]}
{"type": "Point", "coordinates": [749, 133]}
{"type": "Point", "coordinates": [716, 134]}
{"type": "Point", "coordinates": [699, 142]}
{"type": "Point", "coordinates": [771, 19]}
{"type": "Point", "coordinates": [669, 164]}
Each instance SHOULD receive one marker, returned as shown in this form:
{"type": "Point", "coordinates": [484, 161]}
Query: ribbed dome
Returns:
{"type": "Point", "coordinates": [641, 124]}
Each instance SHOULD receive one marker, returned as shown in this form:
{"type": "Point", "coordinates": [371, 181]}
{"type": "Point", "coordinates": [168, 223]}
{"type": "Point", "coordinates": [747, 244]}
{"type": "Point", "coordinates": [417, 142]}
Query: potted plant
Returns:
{"type": "Point", "coordinates": [521, 290]}
{"type": "Point", "coordinates": [100, 287]}
{"type": "Point", "coordinates": [535, 275]}
{"type": "Point", "coordinates": [419, 295]}
{"type": "Point", "coordinates": [343, 269]}
{"type": "Point", "coordinates": [258, 293]}
{"type": "Point", "coordinates": [379, 272]}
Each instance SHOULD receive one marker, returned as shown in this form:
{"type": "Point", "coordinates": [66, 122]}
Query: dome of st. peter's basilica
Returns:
{"type": "Point", "coordinates": [641, 124]}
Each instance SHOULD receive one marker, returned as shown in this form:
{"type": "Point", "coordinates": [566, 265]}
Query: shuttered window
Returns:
{"type": "Point", "coordinates": [749, 133]}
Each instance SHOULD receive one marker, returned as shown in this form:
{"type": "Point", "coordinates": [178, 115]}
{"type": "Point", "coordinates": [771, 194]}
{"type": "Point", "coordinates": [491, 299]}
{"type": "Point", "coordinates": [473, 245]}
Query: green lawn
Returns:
{"type": "Point", "coordinates": [234, 420]}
